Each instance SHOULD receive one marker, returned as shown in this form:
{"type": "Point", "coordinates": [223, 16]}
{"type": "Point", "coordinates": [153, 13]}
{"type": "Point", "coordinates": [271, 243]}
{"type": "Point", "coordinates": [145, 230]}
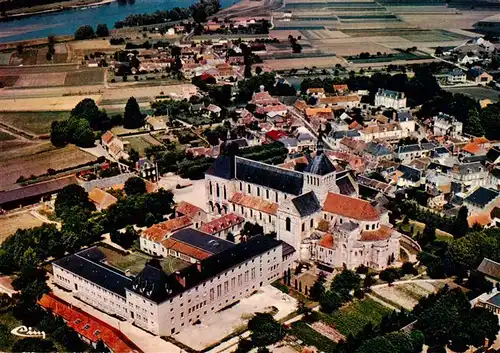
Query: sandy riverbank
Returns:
{"type": "Point", "coordinates": [54, 7]}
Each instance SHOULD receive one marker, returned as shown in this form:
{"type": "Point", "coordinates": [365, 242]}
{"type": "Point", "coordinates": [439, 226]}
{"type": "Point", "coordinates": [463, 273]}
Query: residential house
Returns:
{"type": "Point", "coordinates": [390, 99]}
{"type": "Point", "coordinates": [387, 132]}
{"type": "Point", "coordinates": [470, 175]}
{"type": "Point", "coordinates": [151, 238]}
{"type": "Point", "coordinates": [479, 76]}
{"type": "Point", "coordinates": [447, 125]}
{"type": "Point", "coordinates": [101, 199]}
{"type": "Point", "coordinates": [196, 214]}
{"type": "Point", "coordinates": [344, 102]}
{"type": "Point", "coordinates": [456, 76]}
{"type": "Point", "coordinates": [482, 199]}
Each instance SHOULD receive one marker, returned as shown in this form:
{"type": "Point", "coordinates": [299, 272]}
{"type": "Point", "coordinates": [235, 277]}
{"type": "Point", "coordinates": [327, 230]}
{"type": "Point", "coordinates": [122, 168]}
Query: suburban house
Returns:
{"type": "Point", "coordinates": [479, 76]}
{"type": "Point", "coordinates": [456, 76]}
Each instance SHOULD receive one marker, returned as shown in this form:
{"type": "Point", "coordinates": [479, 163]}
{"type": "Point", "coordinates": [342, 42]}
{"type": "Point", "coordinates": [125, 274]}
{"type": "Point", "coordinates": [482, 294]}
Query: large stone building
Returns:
{"type": "Point", "coordinates": [293, 203]}
{"type": "Point", "coordinates": [165, 304]}
{"type": "Point", "coordinates": [390, 99]}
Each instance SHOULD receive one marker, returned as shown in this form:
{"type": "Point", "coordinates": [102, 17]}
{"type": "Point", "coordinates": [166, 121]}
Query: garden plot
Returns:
{"type": "Point", "coordinates": [9, 224]}
{"type": "Point", "coordinates": [406, 295]}
{"type": "Point", "coordinates": [86, 77]}
{"type": "Point", "coordinates": [141, 143]}
{"type": "Point", "coordinates": [41, 80]}
{"type": "Point", "coordinates": [348, 49]}
{"type": "Point", "coordinates": [324, 34]}
{"type": "Point", "coordinates": [33, 122]}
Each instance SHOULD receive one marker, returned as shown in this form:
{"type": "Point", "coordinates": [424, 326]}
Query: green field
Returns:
{"type": "Point", "coordinates": [351, 319]}
{"type": "Point", "coordinates": [135, 261]}
{"type": "Point", "coordinates": [387, 58]}
{"type": "Point", "coordinates": [6, 137]}
{"type": "Point", "coordinates": [140, 143]}
{"type": "Point", "coordinates": [311, 337]}
{"type": "Point", "coordinates": [37, 123]}
{"type": "Point", "coordinates": [477, 92]}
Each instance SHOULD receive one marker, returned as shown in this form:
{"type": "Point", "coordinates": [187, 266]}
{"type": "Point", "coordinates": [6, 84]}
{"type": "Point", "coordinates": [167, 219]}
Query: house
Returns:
{"type": "Point", "coordinates": [350, 101]}
{"type": "Point", "coordinates": [151, 238]}
{"type": "Point", "coordinates": [482, 199]}
{"type": "Point", "coordinates": [113, 145]}
{"type": "Point", "coordinates": [101, 199]}
{"type": "Point", "coordinates": [479, 76]}
{"type": "Point", "coordinates": [407, 176]}
{"type": "Point", "coordinates": [447, 125]}
{"type": "Point", "coordinates": [409, 152]}
{"type": "Point", "coordinates": [197, 215]}
{"type": "Point", "coordinates": [318, 92]}
{"type": "Point", "coordinates": [341, 89]}
{"type": "Point", "coordinates": [470, 175]}
{"type": "Point", "coordinates": [490, 269]}
{"type": "Point", "coordinates": [319, 113]}
{"type": "Point", "coordinates": [406, 121]}
{"type": "Point", "coordinates": [468, 59]}
{"type": "Point", "coordinates": [388, 132]}
{"type": "Point", "coordinates": [156, 123]}
{"type": "Point", "coordinates": [456, 76]}
{"type": "Point", "coordinates": [377, 151]}
{"type": "Point", "coordinates": [147, 169]}
{"type": "Point", "coordinates": [192, 245]}
{"type": "Point", "coordinates": [390, 99]}
{"type": "Point", "coordinates": [291, 144]}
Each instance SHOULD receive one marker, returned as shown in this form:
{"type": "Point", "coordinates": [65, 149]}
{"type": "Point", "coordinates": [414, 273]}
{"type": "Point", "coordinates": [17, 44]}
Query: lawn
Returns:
{"type": "Point", "coordinates": [10, 224]}
{"type": "Point", "coordinates": [140, 143]}
{"type": "Point", "coordinates": [477, 92]}
{"type": "Point", "coordinates": [5, 136]}
{"type": "Point", "coordinates": [351, 319]}
{"type": "Point", "coordinates": [7, 318]}
{"type": "Point", "coordinates": [37, 123]}
{"type": "Point", "coordinates": [135, 261]}
{"type": "Point", "coordinates": [311, 337]}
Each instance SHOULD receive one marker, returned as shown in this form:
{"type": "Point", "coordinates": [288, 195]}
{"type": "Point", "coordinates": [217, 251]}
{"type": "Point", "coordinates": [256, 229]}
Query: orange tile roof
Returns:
{"type": "Point", "coordinates": [300, 105]}
{"type": "Point", "coordinates": [315, 111]}
{"type": "Point", "coordinates": [102, 198]}
{"type": "Point", "coordinates": [185, 249]}
{"type": "Point", "coordinates": [150, 187]}
{"type": "Point", "coordinates": [222, 223]}
{"type": "Point", "coordinates": [107, 137]}
{"type": "Point", "coordinates": [383, 233]}
{"type": "Point", "coordinates": [316, 90]}
{"type": "Point", "coordinates": [339, 99]}
{"type": "Point", "coordinates": [343, 87]}
{"type": "Point", "coordinates": [483, 219]}
{"type": "Point", "coordinates": [88, 326]}
{"type": "Point", "coordinates": [480, 140]}
{"type": "Point", "coordinates": [157, 232]}
{"type": "Point", "coordinates": [326, 241]}
{"type": "Point", "coordinates": [350, 207]}
{"type": "Point", "coordinates": [255, 203]}
{"type": "Point", "coordinates": [381, 128]}
{"type": "Point", "coordinates": [188, 209]}
{"type": "Point", "coordinates": [472, 148]}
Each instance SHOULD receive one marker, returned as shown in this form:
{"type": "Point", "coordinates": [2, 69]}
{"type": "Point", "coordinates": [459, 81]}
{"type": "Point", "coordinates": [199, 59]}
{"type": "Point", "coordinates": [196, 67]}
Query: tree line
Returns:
{"type": "Point", "coordinates": [199, 12]}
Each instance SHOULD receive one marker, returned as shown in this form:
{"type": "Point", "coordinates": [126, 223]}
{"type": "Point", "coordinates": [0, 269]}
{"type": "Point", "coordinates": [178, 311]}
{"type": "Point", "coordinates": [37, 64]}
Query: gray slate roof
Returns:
{"type": "Point", "coordinates": [307, 204]}
{"type": "Point", "coordinates": [482, 196]}
{"type": "Point", "coordinates": [200, 240]}
{"type": "Point", "coordinates": [320, 165]}
{"type": "Point", "coordinates": [490, 268]}
{"type": "Point", "coordinates": [287, 181]}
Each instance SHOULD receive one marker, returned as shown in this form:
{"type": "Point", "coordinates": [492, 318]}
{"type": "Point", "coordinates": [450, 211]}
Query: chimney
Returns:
{"type": "Point", "coordinates": [181, 279]}
{"type": "Point", "coordinates": [198, 266]}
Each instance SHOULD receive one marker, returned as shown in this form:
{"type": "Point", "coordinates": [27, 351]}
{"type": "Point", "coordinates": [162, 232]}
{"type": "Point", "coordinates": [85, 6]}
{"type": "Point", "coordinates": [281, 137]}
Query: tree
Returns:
{"type": "Point", "coordinates": [34, 345]}
{"type": "Point", "coordinates": [461, 225]}
{"type": "Point", "coordinates": [263, 350]}
{"type": "Point", "coordinates": [318, 288]}
{"type": "Point", "coordinates": [330, 301]}
{"type": "Point", "coordinates": [6, 338]}
{"type": "Point", "coordinates": [133, 156]}
{"type": "Point", "coordinates": [135, 186]}
{"type": "Point", "coordinates": [59, 134]}
{"type": "Point", "coordinates": [102, 30]}
{"type": "Point", "coordinates": [87, 109]}
{"type": "Point", "coordinates": [409, 269]}
{"type": "Point", "coordinates": [84, 32]}
{"type": "Point", "coordinates": [473, 124]}
{"type": "Point", "coordinates": [244, 346]}
{"type": "Point", "coordinates": [125, 240]}
{"type": "Point", "coordinates": [132, 118]}
{"type": "Point", "coordinates": [71, 196]}
{"type": "Point", "coordinates": [377, 345]}
{"type": "Point", "coordinates": [265, 330]}
{"type": "Point", "coordinates": [389, 275]}
{"type": "Point", "coordinates": [368, 281]}
{"type": "Point", "coordinates": [345, 282]}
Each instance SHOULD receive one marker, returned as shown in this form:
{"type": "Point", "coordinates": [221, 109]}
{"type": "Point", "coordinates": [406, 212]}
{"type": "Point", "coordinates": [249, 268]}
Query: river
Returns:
{"type": "Point", "coordinates": [67, 21]}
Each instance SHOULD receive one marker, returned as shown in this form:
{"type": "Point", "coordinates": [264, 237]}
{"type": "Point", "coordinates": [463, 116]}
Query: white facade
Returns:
{"type": "Point", "coordinates": [390, 99]}
{"type": "Point", "coordinates": [447, 125]}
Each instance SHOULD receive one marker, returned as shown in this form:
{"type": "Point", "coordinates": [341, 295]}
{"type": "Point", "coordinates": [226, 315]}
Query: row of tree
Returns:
{"type": "Point", "coordinates": [87, 32]}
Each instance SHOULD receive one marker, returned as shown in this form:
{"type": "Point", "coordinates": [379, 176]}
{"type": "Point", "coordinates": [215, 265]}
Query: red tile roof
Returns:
{"type": "Point", "coordinates": [383, 233]}
{"type": "Point", "coordinates": [472, 148]}
{"type": "Point", "coordinates": [275, 134]}
{"type": "Point", "coordinates": [350, 207]}
{"type": "Point", "coordinates": [326, 241]}
{"type": "Point", "coordinates": [185, 249]}
{"type": "Point", "coordinates": [107, 137]}
{"type": "Point", "coordinates": [188, 209]}
{"type": "Point", "coordinates": [255, 203]}
{"type": "Point", "coordinates": [157, 232]}
{"type": "Point", "coordinates": [88, 326]}
{"type": "Point", "coordinates": [222, 223]}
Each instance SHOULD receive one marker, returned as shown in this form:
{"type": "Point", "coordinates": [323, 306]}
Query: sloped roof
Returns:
{"type": "Point", "coordinates": [87, 325]}
{"type": "Point", "coordinates": [107, 137]}
{"type": "Point", "coordinates": [222, 223]}
{"type": "Point", "coordinates": [307, 204]}
{"type": "Point", "coordinates": [102, 198]}
{"type": "Point", "coordinates": [383, 233]}
{"type": "Point", "coordinates": [255, 203]}
{"type": "Point", "coordinates": [157, 232]}
{"type": "Point", "coordinates": [188, 209]}
{"type": "Point", "coordinates": [350, 207]}
{"type": "Point", "coordinates": [490, 268]}
{"type": "Point", "coordinates": [482, 196]}
{"type": "Point", "coordinates": [270, 176]}
{"type": "Point", "coordinates": [320, 165]}
{"type": "Point", "coordinates": [222, 167]}
{"type": "Point", "coordinates": [327, 241]}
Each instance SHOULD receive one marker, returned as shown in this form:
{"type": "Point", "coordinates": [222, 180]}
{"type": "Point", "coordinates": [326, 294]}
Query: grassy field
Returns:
{"type": "Point", "coordinates": [387, 58]}
{"type": "Point", "coordinates": [11, 223]}
{"type": "Point", "coordinates": [37, 161]}
{"type": "Point", "coordinates": [135, 262]}
{"type": "Point", "coordinates": [5, 136]}
{"type": "Point", "coordinates": [311, 337]}
{"type": "Point", "coordinates": [477, 92]}
{"type": "Point", "coordinates": [352, 318]}
{"type": "Point", "coordinates": [140, 143]}
{"type": "Point", "coordinates": [35, 122]}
